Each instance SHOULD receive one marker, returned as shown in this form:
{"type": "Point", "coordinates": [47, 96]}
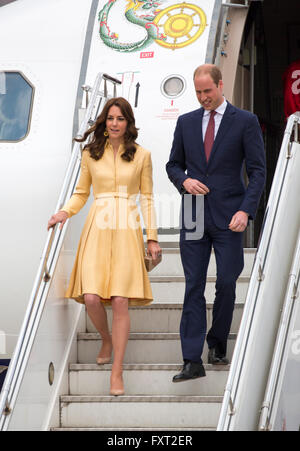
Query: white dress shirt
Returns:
{"type": "Point", "coordinates": [218, 117]}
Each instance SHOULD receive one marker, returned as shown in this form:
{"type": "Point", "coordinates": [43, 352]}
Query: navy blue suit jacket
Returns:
{"type": "Point", "coordinates": [239, 139]}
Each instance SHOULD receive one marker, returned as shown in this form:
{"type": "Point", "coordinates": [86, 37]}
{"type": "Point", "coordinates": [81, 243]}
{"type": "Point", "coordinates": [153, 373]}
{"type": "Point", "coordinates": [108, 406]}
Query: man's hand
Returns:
{"type": "Point", "coordinates": [239, 222]}
{"type": "Point", "coordinates": [193, 186]}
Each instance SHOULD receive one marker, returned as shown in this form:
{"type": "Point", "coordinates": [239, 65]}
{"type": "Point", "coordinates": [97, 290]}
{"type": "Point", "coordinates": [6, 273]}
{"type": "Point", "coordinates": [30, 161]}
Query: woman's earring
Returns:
{"type": "Point", "coordinates": [105, 133]}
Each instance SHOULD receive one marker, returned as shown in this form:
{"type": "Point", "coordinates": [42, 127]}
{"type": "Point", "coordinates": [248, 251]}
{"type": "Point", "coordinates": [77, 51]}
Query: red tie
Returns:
{"type": "Point", "coordinates": [209, 135]}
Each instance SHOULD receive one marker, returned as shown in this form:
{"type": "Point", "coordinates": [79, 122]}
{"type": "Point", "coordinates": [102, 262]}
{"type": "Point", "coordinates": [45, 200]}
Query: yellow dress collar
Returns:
{"type": "Point", "coordinates": [109, 146]}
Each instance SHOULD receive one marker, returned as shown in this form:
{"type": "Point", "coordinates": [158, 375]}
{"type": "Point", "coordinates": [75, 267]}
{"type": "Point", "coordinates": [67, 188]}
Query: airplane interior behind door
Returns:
{"type": "Point", "coordinates": [272, 36]}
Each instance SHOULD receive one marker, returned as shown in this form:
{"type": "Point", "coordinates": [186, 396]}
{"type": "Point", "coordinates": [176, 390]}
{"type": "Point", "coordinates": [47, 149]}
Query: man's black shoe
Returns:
{"type": "Point", "coordinates": [190, 370]}
{"type": "Point", "coordinates": [216, 359]}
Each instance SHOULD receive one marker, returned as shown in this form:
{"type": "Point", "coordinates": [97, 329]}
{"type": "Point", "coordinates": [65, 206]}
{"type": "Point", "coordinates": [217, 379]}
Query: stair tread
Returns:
{"type": "Point", "coordinates": [141, 366]}
{"type": "Point", "coordinates": [62, 429]}
{"type": "Point", "coordinates": [161, 279]}
{"type": "Point", "coordinates": [169, 246]}
{"type": "Point", "coordinates": [142, 336]}
{"type": "Point", "coordinates": [141, 398]}
{"type": "Point", "coordinates": [156, 305]}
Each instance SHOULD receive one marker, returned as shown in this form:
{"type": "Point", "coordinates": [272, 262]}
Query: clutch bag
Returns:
{"type": "Point", "coordinates": [150, 263]}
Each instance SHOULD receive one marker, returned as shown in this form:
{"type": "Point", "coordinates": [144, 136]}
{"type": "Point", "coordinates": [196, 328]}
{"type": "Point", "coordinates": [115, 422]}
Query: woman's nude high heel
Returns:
{"type": "Point", "coordinates": [103, 360]}
{"type": "Point", "coordinates": [117, 391]}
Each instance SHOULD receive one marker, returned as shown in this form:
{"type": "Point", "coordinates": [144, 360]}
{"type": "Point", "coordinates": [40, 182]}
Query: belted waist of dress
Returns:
{"type": "Point", "coordinates": [115, 194]}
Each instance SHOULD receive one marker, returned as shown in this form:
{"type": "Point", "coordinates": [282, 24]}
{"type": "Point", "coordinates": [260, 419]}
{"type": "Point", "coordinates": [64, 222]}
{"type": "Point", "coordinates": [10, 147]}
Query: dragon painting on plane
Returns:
{"type": "Point", "coordinates": [173, 27]}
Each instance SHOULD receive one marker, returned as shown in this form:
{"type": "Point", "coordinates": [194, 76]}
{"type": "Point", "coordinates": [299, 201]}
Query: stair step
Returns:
{"type": "Point", "coordinates": [139, 399]}
{"type": "Point", "coordinates": [140, 411]}
{"type": "Point", "coordinates": [87, 429]}
{"type": "Point", "coordinates": [143, 348]}
{"type": "Point", "coordinates": [146, 379]}
{"type": "Point", "coordinates": [172, 288]}
{"type": "Point", "coordinates": [171, 263]}
{"type": "Point", "coordinates": [164, 317]}
{"type": "Point", "coordinates": [141, 366]}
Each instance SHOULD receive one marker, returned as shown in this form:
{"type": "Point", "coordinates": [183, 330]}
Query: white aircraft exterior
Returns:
{"type": "Point", "coordinates": [50, 49]}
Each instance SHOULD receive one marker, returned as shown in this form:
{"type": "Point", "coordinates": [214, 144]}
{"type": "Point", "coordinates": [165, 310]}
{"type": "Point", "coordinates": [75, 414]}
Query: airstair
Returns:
{"type": "Point", "coordinates": [271, 311]}
{"type": "Point", "coordinates": [53, 382]}
{"type": "Point", "coordinates": [153, 357]}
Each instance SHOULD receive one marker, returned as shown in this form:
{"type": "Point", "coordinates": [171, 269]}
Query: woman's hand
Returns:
{"type": "Point", "coordinates": [153, 249]}
{"type": "Point", "coordinates": [61, 216]}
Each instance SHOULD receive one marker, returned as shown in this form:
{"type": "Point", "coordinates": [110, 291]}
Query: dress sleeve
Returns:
{"type": "Point", "coordinates": [146, 198]}
{"type": "Point", "coordinates": [82, 190]}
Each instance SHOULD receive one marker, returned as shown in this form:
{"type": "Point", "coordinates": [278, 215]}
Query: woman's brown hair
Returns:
{"type": "Point", "coordinates": [97, 143]}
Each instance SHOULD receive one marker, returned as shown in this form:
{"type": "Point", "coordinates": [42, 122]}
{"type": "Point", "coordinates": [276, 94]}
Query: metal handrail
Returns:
{"type": "Point", "coordinates": [52, 248]}
{"type": "Point", "coordinates": [236, 5]}
{"type": "Point", "coordinates": [282, 337]}
{"type": "Point", "coordinates": [257, 276]}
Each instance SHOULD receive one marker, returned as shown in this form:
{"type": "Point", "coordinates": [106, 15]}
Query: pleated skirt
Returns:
{"type": "Point", "coordinates": [110, 260]}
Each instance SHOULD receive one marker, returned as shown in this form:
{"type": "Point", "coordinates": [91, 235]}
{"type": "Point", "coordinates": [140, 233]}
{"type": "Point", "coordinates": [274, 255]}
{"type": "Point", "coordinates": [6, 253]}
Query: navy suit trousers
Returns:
{"type": "Point", "coordinates": [195, 256]}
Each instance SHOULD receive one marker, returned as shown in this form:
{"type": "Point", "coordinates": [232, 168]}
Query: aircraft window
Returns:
{"type": "Point", "coordinates": [173, 86]}
{"type": "Point", "coordinates": [16, 96]}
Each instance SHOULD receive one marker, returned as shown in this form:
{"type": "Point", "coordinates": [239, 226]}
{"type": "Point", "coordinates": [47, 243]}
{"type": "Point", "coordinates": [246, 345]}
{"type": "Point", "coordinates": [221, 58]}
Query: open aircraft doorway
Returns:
{"type": "Point", "coordinates": [270, 43]}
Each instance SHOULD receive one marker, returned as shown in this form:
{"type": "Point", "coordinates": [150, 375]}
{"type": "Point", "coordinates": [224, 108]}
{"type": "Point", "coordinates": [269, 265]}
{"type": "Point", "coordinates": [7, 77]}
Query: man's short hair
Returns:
{"type": "Point", "coordinates": [210, 69]}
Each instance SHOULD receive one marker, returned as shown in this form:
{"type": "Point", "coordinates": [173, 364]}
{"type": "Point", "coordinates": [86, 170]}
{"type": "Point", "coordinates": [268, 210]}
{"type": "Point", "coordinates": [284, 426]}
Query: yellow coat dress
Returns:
{"type": "Point", "coordinates": [110, 255]}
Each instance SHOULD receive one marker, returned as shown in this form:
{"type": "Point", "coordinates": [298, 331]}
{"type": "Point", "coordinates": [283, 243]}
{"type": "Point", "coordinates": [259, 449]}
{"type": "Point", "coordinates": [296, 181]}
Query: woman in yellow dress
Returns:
{"type": "Point", "coordinates": [109, 267]}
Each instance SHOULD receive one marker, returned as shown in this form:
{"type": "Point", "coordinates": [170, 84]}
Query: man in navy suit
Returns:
{"type": "Point", "coordinates": [209, 150]}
